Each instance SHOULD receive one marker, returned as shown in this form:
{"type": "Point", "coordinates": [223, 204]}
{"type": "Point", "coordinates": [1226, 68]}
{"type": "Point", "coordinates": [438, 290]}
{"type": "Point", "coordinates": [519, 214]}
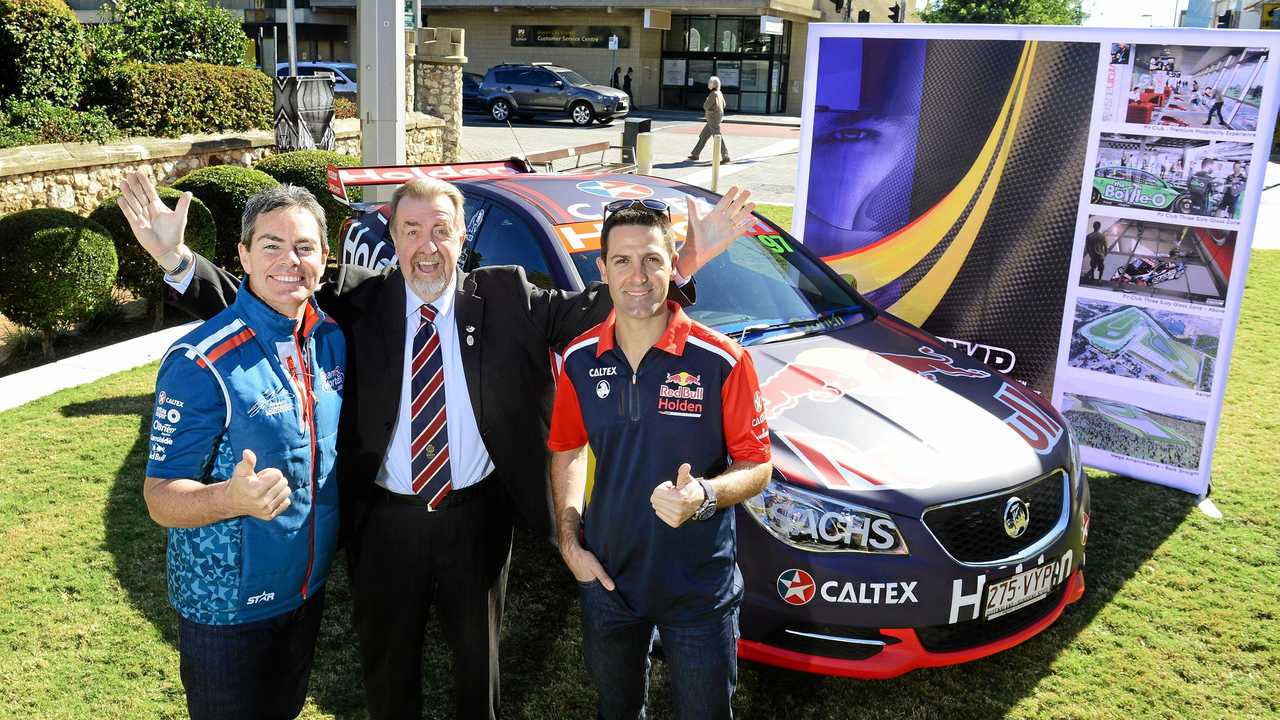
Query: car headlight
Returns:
{"type": "Point", "coordinates": [816, 523]}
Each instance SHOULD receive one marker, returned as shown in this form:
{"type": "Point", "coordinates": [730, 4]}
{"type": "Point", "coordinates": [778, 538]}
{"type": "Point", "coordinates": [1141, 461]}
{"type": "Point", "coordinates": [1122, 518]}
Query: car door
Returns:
{"type": "Point", "coordinates": [549, 91]}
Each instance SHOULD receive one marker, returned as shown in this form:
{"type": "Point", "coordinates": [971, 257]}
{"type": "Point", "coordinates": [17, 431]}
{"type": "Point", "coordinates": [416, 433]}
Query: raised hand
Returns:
{"type": "Point", "coordinates": [709, 235]}
{"type": "Point", "coordinates": [158, 229]}
{"type": "Point", "coordinates": [262, 494]}
{"type": "Point", "coordinates": [676, 502]}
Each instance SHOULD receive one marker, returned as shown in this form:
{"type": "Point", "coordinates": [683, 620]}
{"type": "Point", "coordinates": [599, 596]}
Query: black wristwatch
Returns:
{"type": "Point", "coordinates": [708, 506]}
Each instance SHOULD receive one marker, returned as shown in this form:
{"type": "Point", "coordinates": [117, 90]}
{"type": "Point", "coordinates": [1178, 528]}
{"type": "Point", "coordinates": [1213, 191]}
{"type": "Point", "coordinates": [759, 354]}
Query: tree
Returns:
{"type": "Point", "coordinates": [1005, 12]}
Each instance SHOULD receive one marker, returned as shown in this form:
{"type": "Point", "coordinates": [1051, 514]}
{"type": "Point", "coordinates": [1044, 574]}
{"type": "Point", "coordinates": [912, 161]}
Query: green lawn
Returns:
{"type": "Point", "coordinates": [1179, 618]}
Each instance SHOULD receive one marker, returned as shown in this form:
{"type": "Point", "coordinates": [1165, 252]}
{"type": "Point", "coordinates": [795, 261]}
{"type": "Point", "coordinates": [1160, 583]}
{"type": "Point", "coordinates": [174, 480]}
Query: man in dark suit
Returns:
{"type": "Point", "coordinates": [444, 424]}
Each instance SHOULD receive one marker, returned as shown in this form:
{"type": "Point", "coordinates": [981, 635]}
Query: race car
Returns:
{"type": "Point", "coordinates": [1149, 271]}
{"type": "Point", "coordinates": [924, 510]}
{"type": "Point", "coordinates": [1131, 187]}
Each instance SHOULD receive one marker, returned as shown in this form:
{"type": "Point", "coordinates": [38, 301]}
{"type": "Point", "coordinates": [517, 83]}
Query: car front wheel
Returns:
{"type": "Point", "coordinates": [500, 110]}
{"type": "Point", "coordinates": [1094, 197]}
{"type": "Point", "coordinates": [1184, 204]}
{"type": "Point", "coordinates": [581, 114]}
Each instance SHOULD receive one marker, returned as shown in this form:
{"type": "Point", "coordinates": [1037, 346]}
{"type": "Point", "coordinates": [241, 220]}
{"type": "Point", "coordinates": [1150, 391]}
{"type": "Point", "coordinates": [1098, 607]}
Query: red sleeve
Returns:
{"type": "Point", "coordinates": [745, 430]}
{"type": "Point", "coordinates": [567, 429]}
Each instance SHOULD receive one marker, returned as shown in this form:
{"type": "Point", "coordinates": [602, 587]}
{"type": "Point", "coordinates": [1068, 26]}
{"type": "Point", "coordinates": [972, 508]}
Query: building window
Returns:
{"type": "Point", "coordinates": [751, 66]}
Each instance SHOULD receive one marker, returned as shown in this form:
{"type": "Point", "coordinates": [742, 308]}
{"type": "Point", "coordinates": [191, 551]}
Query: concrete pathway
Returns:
{"type": "Point", "coordinates": [21, 388]}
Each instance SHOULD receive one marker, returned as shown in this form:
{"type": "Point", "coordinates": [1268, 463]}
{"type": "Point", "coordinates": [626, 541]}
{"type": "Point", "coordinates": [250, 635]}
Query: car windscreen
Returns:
{"type": "Point", "coordinates": [761, 289]}
{"type": "Point", "coordinates": [574, 78]}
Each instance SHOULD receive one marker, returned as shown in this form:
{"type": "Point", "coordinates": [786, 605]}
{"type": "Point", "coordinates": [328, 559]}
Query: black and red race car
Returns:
{"type": "Point", "coordinates": [924, 510]}
{"type": "Point", "coordinates": [1149, 271]}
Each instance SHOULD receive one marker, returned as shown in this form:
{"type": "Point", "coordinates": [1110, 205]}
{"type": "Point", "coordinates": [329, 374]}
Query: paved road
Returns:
{"type": "Point", "coordinates": [764, 155]}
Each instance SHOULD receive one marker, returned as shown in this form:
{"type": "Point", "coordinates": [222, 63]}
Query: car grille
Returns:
{"type": "Point", "coordinates": [806, 643]}
{"type": "Point", "coordinates": [965, 635]}
{"type": "Point", "coordinates": [972, 531]}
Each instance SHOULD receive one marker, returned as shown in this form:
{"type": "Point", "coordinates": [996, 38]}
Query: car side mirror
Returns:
{"type": "Point", "coordinates": [559, 83]}
{"type": "Point", "coordinates": [849, 278]}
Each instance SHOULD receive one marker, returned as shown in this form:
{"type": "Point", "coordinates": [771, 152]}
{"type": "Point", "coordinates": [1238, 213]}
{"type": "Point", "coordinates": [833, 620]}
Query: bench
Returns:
{"type": "Point", "coordinates": [546, 162]}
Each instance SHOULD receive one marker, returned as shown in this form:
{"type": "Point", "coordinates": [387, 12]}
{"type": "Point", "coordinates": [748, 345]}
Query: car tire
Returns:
{"type": "Point", "coordinates": [500, 110]}
{"type": "Point", "coordinates": [1183, 204]}
{"type": "Point", "coordinates": [581, 115]}
{"type": "Point", "coordinates": [1094, 197]}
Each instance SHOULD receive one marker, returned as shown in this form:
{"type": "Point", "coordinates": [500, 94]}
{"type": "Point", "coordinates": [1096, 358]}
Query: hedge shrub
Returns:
{"type": "Point", "coordinates": [170, 31]}
{"type": "Point", "coordinates": [42, 51]}
{"type": "Point", "coordinates": [306, 168]}
{"type": "Point", "coordinates": [225, 189]}
{"type": "Point", "coordinates": [171, 100]}
{"type": "Point", "coordinates": [58, 268]}
{"type": "Point", "coordinates": [138, 272]}
{"type": "Point", "coordinates": [35, 122]}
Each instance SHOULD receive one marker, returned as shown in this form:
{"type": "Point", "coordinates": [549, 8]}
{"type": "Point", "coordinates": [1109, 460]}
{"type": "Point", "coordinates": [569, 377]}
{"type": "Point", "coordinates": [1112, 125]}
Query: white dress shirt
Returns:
{"type": "Point", "coordinates": [469, 460]}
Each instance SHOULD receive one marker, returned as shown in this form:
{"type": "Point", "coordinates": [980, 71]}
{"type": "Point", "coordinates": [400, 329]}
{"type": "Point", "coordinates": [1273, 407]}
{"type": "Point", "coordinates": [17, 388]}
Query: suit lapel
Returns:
{"type": "Point", "coordinates": [391, 321]}
{"type": "Point", "coordinates": [469, 314]}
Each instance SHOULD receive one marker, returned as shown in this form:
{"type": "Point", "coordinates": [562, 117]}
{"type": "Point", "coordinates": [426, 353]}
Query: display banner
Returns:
{"type": "Point", "coordinates": [1072, 206]}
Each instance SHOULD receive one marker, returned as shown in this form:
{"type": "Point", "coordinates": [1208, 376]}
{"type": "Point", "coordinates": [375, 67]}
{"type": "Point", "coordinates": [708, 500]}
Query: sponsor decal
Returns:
{"type": "Point", "coordinates": [930, 364]}
{"type": "Point", "coordinates": [684, 379]}
{"type": "Point", "coordinates": [602, 389]}
{"type": "Point", "coordinates": [272, 402]}
{"type": "Point", "coordinates": [166, 399]}
{"type": "Point", "coordinates": [823, 374]}
{"type": "Point", "coordinates": [333, 380]}
{"type": "Point", "coordinates": [162, 440]}
{"type": "Point", "coordinates": [685, 398]}
{"type": "Point", "coordinates": [796, 587]}
{"type": "Point", "coordinates": [263, 598]}
{"type": "Point", "coordinates": [1017, 516]}
{"type": "Point", "coordinates": [839, 529]}
{"type": "Point", "coordinates": [759, 404]}
{"type": "Point", "coordinates": [865, 593]}
{"type": "Point", "coordinates": [615, 189]}
{"type": "Point", "coordinates": [829, 462]}
{"type": "Point", "coordinates": [1002, 359]}
{"type": "Point", "coordinates": [603, 372]}
{"type": "Point", "coordinates": [1038, 427]}
{"type": "Point", "coordinates": [160, 427]}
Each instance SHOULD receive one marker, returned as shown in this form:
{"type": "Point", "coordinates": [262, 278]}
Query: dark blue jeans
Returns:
{"type": "Point", "coordinates": [255, 670]}
{"type": "Point", "coordinates": [702, 658]}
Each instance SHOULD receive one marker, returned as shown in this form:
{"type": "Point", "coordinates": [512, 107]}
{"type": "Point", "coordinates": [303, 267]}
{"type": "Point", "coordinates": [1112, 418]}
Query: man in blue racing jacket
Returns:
{"type": "Point", "coordinates": [241, 465]}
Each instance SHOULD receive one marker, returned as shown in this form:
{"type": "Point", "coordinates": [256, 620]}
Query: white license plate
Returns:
{"type": "Point", "coordinates": [1020, 590]}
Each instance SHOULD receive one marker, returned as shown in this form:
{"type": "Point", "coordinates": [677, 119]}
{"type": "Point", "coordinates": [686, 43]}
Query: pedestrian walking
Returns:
{"type": "Point", "coordinates": [713, 109]}
{"type": "Point", "coordinates": [1216, 108]}
{"type": "Point", "coordinates": [613, 81]}
{"type": "Point", "coordinates": [626, 87]}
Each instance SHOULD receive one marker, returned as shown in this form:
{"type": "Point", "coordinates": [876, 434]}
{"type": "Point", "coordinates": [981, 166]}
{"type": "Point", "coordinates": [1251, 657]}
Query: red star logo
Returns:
{"type": "Point", "coordinates": [796, 587]}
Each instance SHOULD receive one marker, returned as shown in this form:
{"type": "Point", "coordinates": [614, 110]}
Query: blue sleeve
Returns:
{"type": "Point", "coordinates": [187, 421]}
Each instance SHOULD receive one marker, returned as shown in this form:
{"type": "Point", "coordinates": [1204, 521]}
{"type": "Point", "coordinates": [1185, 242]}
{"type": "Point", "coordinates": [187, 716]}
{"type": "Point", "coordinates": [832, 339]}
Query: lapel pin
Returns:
{"type": "Point", "coordinates": [470, 341]}
{"type": "Point", "coordinates": [471, 328]}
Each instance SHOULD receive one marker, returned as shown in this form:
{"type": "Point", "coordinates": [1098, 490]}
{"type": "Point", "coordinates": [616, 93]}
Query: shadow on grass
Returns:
{"type": "Point", "coordinates": [538, 601]}
{"type": "Point", "coordinates": [1130, 520]}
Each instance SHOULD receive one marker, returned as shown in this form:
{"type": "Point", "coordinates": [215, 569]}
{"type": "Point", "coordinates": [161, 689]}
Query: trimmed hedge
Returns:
{"type": "Point", "coordinates": [225, 189]}
{"type": "Point", "coordinates": [36, 122]}
{"type": "Point", "coordinates": [138, 272]}
{"type": "Point", "coordinates": [307, 168]}
{"type": "Point", "coordinates": [171, 100]}
{"type": "Point", "coordinates": [42, 51]}
{"type": "Point", "coordinates": [58, 268]}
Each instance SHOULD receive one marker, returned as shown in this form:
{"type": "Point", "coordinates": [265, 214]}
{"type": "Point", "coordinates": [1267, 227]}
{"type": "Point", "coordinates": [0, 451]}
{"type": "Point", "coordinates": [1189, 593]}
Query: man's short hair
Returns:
{"type": "Point", "coordinates": [637, 215]}
{"type": "Point", "coordinates": [277, 197]}
{"type": "Point", "coordinates": [428, 189]}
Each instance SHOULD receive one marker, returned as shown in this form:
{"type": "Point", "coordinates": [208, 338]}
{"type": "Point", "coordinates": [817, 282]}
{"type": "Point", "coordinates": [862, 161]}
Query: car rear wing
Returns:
{"type": "Point", "coordinates": [339, 179]}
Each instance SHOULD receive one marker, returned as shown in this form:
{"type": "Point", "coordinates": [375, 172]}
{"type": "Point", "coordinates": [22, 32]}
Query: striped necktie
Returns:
{"type": "Point", "coordinates": [430, 449]}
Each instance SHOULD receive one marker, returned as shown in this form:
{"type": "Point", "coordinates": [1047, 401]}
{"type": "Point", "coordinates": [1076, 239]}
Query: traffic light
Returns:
{"type": "Point", "coordinates": [1224, 20]}
{"type": "Point", "coordinates": [895, 13]}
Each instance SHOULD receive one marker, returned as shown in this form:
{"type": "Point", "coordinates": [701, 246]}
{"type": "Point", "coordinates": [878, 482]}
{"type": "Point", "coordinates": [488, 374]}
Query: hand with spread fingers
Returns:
{"type": "Point", "coordinates": [159, 230]}
{"type": "Point", "coordinates": [710, 234]}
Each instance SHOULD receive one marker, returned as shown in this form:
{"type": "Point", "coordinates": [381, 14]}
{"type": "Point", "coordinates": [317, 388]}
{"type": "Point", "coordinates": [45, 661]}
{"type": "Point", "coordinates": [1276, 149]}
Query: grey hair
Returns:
{"type": "Point", "coordinates": [713, 83]}
{"type": "Point", "coordinates": [275, 198]}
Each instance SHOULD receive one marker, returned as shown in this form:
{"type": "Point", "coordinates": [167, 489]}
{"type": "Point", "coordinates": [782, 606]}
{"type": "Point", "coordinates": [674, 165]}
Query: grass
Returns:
{"type": "Point", "coordinates": [1179, 619]}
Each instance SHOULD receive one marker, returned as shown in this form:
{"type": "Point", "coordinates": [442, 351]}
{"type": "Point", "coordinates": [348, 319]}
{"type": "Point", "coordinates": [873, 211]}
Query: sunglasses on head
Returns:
{"type": "Point", "coordinates": [655, 206]}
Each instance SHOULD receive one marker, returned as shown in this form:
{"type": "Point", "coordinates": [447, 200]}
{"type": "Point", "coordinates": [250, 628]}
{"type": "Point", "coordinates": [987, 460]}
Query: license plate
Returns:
{"type": "Point", "coordinates": [1020, 590]}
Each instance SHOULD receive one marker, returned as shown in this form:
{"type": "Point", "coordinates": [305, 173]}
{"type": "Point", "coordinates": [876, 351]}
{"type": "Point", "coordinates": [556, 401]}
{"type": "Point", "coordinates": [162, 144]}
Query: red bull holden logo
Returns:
{"type": "Point", "coordinates": [796, 587]}
{"type": "Point", "coordinates": [615, 189]}
{"type": "Point", "coordinates": [685, 399]}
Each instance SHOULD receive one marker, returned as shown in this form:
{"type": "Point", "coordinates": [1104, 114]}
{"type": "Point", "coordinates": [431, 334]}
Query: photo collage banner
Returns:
{"type": "Point", "coordinates": [1072, 206]}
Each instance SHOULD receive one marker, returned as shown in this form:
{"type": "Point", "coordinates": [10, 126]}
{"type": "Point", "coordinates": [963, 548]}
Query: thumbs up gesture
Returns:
{"type": "Point", "coordinates": [263, 494]}
{"type": "Point", "coordinates": [675, 502]}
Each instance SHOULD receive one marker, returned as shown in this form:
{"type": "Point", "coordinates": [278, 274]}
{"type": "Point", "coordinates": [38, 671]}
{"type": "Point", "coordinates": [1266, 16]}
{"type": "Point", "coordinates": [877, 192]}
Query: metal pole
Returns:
{"type": "Point", "coordinates": [715, 163]}
{"type": "Point", "coordinates": [293, 39]}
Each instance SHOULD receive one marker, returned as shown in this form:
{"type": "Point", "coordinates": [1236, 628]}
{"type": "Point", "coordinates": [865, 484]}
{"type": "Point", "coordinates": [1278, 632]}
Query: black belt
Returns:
{"type": "Point", "coordinates": [453, 499]}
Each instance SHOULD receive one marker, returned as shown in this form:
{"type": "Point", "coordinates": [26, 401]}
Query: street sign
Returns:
{"type": "Point", "coordinates": [613, 42]}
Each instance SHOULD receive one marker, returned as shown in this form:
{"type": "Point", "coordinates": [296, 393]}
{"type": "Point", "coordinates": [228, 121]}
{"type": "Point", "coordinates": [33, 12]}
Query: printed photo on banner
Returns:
{"type": "Point", "coordinates": [1172, 175]}
{"type": "Point", "coordinates": [1175, 261]}
{"type": "Point", "coordinates": [1148, 344]}
{"type": "Point", "coordinates": [1134, 432]}
{"type": "Point", "coordinates": [1179, 86]}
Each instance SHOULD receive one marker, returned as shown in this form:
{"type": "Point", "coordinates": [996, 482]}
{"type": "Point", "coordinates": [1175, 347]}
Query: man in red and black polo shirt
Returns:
{"type": "Point", "coordinates": [672, 411]}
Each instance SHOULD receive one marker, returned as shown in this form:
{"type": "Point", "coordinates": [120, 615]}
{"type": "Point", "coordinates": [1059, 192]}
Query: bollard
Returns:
{"type": "Point", "coordinates": [715, 163]}
{"type": "Point", "coordinates": [644, 153]}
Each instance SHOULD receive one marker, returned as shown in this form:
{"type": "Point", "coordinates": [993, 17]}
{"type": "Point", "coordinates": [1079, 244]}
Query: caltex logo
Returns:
{"type": "Point", "coordinates": [796, 587]}
{"type": "Point", "coordinates": [615, 190]}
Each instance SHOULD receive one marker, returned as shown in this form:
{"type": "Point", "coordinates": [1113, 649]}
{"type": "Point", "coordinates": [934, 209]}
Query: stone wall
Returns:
{"type": "Point", "coordinates": [79, 176]}
{"type": "Point", "coordinates": [439, 92]}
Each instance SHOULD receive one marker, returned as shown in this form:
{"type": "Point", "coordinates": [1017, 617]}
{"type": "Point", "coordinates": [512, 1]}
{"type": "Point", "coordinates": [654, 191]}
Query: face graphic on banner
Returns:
{"type": "Point", "coordinates": [864, 127]}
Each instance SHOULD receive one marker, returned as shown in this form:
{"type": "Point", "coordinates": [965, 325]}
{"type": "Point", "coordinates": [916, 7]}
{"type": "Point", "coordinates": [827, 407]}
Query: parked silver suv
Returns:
{"type": "Point", "coordinates": [525, 90]}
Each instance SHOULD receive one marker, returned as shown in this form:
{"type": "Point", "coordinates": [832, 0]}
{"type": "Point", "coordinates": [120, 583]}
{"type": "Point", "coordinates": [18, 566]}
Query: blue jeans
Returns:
{"type": "Point", "coordinates": [702, 657]}
{"type": "Point", "coordinates": [254, 670]}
